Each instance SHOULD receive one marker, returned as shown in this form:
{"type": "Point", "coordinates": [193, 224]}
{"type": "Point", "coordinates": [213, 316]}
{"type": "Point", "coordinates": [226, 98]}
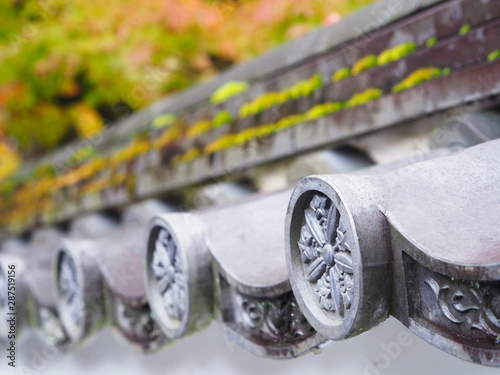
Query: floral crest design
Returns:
{"type": "Point", "coordinates": [70, 290]}
{"type": "Point", "coordinates": [276, 321]}
{"type": "Point", "coordinates": [136, 322]}
{"type": "Point", "coordinates": [326, 256]}
{"type": "Point", "coordinates": [168, 271]}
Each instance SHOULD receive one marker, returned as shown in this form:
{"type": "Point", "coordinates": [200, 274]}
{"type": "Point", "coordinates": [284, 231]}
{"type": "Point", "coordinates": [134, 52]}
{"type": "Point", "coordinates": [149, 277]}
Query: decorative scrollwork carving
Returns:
{"type": "Point", "coordinates": [136, 322]}
{"type": "Point", "coordinates": [275, 320]}
{"type": "Point", "coordinates": [168, 270]}
{"type": "Point", "coordinates": [469, 303]}
{"type": "Point", "coordinates": [327, 256]}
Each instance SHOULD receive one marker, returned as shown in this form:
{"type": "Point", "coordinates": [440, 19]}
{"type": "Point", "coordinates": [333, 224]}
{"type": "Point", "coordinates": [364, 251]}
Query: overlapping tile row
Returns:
{"type": "Point", "coordinates": [417, 240]}
{"type": "Point", "coordinates": [149, 278]}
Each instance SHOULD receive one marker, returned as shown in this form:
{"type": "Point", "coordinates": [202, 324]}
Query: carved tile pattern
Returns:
{"type": "Point", "coordinates": [327, 256]}
{"type": "Point", "coordinates": [70, 290]}
{"type": "Point", "coordinates": [168, 270]}
{"type": "Point", "coordinates": [275, 320]}
{"type": "Point", "coordinates": [472, 304]}
{"type": "Point", "coordinates": [51, 327]}
{"type": "Point", "coordinates": [136, 322]}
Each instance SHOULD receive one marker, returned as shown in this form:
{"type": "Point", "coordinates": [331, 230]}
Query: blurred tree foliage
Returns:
{"type": "Point", "coordinates": [68, 67]}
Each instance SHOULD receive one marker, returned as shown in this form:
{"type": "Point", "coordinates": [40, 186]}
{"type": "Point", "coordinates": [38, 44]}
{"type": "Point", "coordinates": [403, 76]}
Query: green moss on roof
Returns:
{"type": "Point", "coordinates": [431, 42]}
{"type": "Point", "coordinates": [221, 118]}
{"type": "Point", "coordinates": [306, 87]}
{"type": "Point", "coordinates": [363, 97]}
{"type": "Point", "coordinates": [464, 29]}
{"type": "Point", "coordinates": [341, 74]}
{"type": "Point", "coordinates": [418, 77]}
{"type": "Point", "coordinates": [494, 55]}
{"type": "Point", "coordinates": [270, 99]}
{"type": "Point", "coordinates": [263, 102]}
{"type": "Point", "coordinates": [238, 139]}
{"type": "Point", "coordinates": [321, 110]}
{"type": "Point", "coordinates": [396, 53]}
{"type": "Point", "coordinates": [232, 140]}
{"type": "Point", "coordinates": [290, 121]}
{"type": "Point", "coordinates": [363, 64]}
{"type": "Point", "coordinates": [198, 128]}
{"type": "Point", "coordinates": [163, 121]}
{"type": "Point", "coordinates": [228, 91]}
{"type": "Point", "coordinates": [190, 155]}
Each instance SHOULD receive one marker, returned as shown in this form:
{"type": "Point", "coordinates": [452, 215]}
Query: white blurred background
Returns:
{"type": "Point", "coordinates": [209, 352]}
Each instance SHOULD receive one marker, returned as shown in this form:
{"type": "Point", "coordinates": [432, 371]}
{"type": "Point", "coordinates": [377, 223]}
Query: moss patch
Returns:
{"type": "Point", "coordinates": [494, 55]}
{"type": "Point", "coordinates": [363, 97]}
{"type": "Point", "coordinates": [341, 74]}
{"type": "Point", "coordinates": [198, 128]}
{"type": "Point", "coordinates": [221, 118]}
{"type": "Point", "coordinates": [464, 29]}
{"type": "Point", "coordinates": [323, 110]}
{"type": "Point", "coordinates": [163, 121]}
{"type": "Point", "coordinates": [396, 53]}
{"type": "Point", "coordinates": [363, 64]}
{"type": "Point", "coordinates": [418, 77]}
{"type": "Point", "coordinates": [228, 91]}
{"type": "Point", "coordinates": [263, 102]}
{"type": "Point", "coordinates": [306, 87]}
{"type": "Point", "coordinates": [188, 156]}
{"type": "Point", "coordinates": [431, 42]}
{"type": "Point", "coordinates": [271, 99]}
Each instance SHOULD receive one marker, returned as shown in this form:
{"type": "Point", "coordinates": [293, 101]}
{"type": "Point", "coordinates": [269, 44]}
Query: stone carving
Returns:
{"type": "Point", "coordinates": [136, 322]}
{"type": "Point", "coordinates": [71, 292]}
{"type": "Point", "coordinates": [469, 303]}
{"type": "Point", "coordinates": [327, 256]}
{"type": "Point", "coordinates": [51, 327]}
{"type": "Point", "coordinates": [278, 320]}
{"type": "Point", "coordinates": [168, 271]}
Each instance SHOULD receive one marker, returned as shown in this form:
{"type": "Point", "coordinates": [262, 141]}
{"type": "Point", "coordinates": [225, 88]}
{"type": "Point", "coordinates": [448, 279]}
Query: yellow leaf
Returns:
{"type": "Point", "coordinates": [10, 161]}
{"type": "Point", "coordinates": [87, 120]}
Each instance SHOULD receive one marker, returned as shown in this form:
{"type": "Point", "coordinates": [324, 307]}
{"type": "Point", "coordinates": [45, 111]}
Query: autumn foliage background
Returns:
{"type": "Point", "coordinates": [69, 68]}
